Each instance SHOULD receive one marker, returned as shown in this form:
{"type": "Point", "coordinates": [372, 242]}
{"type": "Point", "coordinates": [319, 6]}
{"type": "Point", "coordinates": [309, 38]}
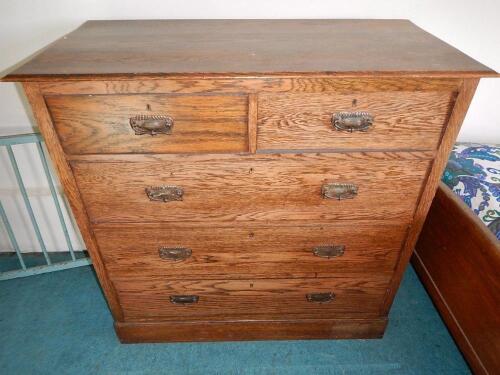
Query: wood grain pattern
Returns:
{"type": "Point", "coordinates": [458, 260]}
{"type": "Point", "coordinates": [185, 331]}
{"type": "Point", "coordinates": [253, 188]}
{"type": "Point", "coordinates": [72, 193]}
{"type": "Point", "coordinates": [408, 156]}
{"type": "Point", "coordinates": [403, 120]}
{"type": "Point", "coordinates": [148, 298]}
{"type": "Point", "coordinates": [94, 124]}
{"type": "Point", "coordinates": [237, 85]}
{"type": "Point", "coordinates": [245, 251]}
{"type": "Point", "coordinates": [432, 182]}
{"type": "Point", "coordinates": [252, 122]}
{"type": "Point", "coordinates": [155, 48]}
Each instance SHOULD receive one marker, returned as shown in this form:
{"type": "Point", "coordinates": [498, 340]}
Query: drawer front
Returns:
{"type": "Point", "coordinates": [248, 250]}
{"type": "Point", "coordinates": [252, 188]}
{"type": "Point", "coordinates": [95, 124]}
{"type": "Point", "coordinates": [400, 120]}
{"type": "Point", "coordinates": [158, 298]}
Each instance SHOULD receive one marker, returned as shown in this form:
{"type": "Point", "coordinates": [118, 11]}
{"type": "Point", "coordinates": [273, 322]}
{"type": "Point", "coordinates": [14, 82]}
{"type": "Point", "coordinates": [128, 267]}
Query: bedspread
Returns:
{"type": "Point", "coordinates": [473, 173]}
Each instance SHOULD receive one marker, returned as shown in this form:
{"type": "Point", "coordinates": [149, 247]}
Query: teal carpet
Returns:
{"type": "Point", "coordinates": [59, 323]}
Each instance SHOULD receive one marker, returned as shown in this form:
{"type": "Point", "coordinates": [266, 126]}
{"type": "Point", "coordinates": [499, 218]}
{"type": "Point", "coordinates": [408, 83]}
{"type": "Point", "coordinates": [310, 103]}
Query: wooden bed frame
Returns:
{"type": "Point", "coordinates": [458, 260]}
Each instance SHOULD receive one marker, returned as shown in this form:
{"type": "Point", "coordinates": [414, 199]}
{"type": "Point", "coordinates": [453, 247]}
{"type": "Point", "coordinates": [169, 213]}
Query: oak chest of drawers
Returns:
{"type": "Point", "coordinates": [249, 179]}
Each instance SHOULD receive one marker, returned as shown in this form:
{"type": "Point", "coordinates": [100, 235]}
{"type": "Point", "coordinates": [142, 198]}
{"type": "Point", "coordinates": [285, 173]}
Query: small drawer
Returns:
{"type": "Point", "coordinates": [160, 298]}
{"type": "Point", "coordinates": [249, 251]}
{"type": "Point", "coordinates": [150, 123]}
{"type": "Point", "coordinates": [345, 121]}
{"type": "Point", "coordinates": [258, 188]}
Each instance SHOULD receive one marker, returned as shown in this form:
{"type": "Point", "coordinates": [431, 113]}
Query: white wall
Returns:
{"type": "Point", "coordinates": [471, 26]}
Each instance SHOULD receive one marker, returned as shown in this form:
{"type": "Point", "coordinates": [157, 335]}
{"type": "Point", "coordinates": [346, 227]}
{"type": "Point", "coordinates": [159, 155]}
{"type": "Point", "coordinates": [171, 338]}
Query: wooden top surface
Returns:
{"type": "Point", "coordinates": [152, 48]}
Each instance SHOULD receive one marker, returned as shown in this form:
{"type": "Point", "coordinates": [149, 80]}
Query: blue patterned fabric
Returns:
{"type": "Point", "coordinates": [473, 173]}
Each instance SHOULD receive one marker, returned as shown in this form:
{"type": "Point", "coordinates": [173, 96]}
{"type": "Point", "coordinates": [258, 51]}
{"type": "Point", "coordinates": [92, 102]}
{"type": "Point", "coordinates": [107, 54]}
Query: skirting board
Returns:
{"type": "Point", "coordinates": [186, 331]}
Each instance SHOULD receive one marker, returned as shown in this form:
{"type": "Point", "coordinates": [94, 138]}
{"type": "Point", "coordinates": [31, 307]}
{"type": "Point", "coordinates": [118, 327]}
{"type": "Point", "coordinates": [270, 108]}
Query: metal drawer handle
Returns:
{"type": "Point", "coordinates": [184, 299]}
{"type": "Point", "coordinates": [339, 191]}
{"type": "Point", "coordinates": [165, 193]}
{"type": "Point", "coordinates": [320, 297]}
{"type": "Point", "coordinates": [152, 124]}
{"type": "Point", "coordinates": [329, 251]}
{"type": "Point", "coordinates": [352, 121]}
{"type": "Point", "coordinates": [174, 254]}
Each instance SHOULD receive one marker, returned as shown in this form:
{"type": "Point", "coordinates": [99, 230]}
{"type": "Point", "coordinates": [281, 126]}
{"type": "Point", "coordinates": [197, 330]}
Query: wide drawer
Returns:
{"type": "Point", "coordinates": [253, 188]}
{"type": "Point", "coordinates": [103, 124]}
{"type": "Point", "coordinates": [399, 120]}
{"type": "Point", "coordinates": [160, 298]}
{"type": "Point", "coordinates": [248, 250]}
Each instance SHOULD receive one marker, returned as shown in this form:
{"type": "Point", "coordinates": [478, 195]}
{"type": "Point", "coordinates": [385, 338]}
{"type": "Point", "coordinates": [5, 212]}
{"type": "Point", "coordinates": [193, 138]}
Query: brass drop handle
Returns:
{"type": "Point", "coordinates": [352, 121]}
{"type": "Point", "coordinates": [152, 124]}
{"type": "Point", "coordinates": [339, 191]}
{"type": "Point", "coordinates": [166, 193]}
{"type": "Point", "coordinates": [329, 251]}
{"type": "Point", "coordinates": [184, 299]}
{"type": "Point", "coordinates": [174, 254]}
{"type": "Point", "coordinates": [320, 297]}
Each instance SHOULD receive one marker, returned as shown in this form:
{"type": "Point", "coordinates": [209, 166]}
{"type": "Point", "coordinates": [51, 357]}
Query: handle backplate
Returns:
{"type": "Point", "coordinates": [352, 121]}
{"type": "Point", "coordinates": [152, 124]}
{"type": "Point", "coordinates": [339, 191]}
{"type": "Point", "coordinates": [165, 193]}
{"type": "Point", "coordinates": [320, 297]}
{"type": "Point", "coordinates": [174, 254]}
{"type": "Point", "coordinates": [184, 299]}
{"type": "Point", "coordinates": [329, 251]}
